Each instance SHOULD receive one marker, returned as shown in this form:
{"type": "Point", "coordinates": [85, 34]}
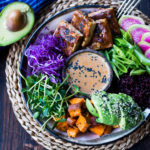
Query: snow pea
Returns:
{"type": "Point", "coordinates": [114, 69]}
{"type": "Point", "coordinates": [137, 72]}
{"type": "Point", "coordinates": [148, 70]}
{"type": "Point", "coordinates": [120, 66]}
{"type": "Point", "coordinates": [127, 36]}
{"type": "Point", "coordinates": [119, 51]}
{"type": "Point", "coordinates": [144, 60]}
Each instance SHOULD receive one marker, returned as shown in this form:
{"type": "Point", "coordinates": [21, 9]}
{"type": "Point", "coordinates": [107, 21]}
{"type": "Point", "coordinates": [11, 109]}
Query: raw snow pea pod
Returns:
{"type": "Point", "coordinates": [148, 70]}
{"type": "Point", "coordinates": [120, 66]}
{"type": "Point", "coordinates": [122, 43]}
{"type": "Point", "coordinates": [127, 36]}
{"type": "Point", "coordinates": [114, 69]}
{"type": "Point", "coordinates": [123, 60]}
{"type": "Point", "coordinates": [144, 60]}
{"type": "Point", "coordinates": [107, 55]}
{"type": "Point", "coordinates": [137, 72]}
{"type": "Point", "coordinates": [119, 51]}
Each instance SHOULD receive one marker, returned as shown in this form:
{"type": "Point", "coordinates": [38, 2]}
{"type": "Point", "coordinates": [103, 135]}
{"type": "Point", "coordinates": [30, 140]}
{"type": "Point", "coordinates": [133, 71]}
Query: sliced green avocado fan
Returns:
{"type": "Point", "coordinates": [115, 109]}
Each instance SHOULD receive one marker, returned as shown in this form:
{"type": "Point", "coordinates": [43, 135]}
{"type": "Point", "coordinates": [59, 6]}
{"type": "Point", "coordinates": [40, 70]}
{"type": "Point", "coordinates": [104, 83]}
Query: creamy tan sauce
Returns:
{"type": "Point", "coordinates": [89, 71]}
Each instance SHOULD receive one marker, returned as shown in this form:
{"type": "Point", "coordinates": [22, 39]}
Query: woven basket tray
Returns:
{"type": "Point", "coordinates": [14, 90]}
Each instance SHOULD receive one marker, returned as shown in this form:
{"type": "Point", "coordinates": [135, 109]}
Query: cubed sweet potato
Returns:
{"type": "Point", "coordinates": [72, 131]}
{"type": "Point", "coordinates": [62, 126]}
{"type": "Point", "coordinates": [77, 100]}
{"type": "Point", "coordinates": [108, 129]}
{"type": "Point", "coordinates": [74, 110]}
{"type": "Point", "coordinates": [98, 129]}
{"type": "Point", "coordinates": [71, 121]}
{"type": "Point", "coordinates": [82, 124]}
{"type": "Point", "coordinates": [117, 126]}
{"type": "Point", "coordinates": [58, 118]}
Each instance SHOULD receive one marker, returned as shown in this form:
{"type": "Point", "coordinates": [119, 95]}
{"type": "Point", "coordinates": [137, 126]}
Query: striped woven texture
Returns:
{"type": "Point", "coordinates": [35, 4]}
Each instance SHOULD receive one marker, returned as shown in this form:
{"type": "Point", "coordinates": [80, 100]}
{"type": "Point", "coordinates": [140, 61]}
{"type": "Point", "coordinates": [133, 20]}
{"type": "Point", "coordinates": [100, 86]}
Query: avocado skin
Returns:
{"type": "Point", "coordinates": [8, 37]}
{"type": "Point", "coordinates": [120, 110]}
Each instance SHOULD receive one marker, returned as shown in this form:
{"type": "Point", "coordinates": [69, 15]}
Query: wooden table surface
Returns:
{"type": "Point", "coordinates": [12, 135]}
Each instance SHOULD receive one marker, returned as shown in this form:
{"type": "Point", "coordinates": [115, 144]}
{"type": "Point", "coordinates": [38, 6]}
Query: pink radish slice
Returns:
{"type": "Point", "coordinates": [137, 31]}
{"type": "Point", "coordinates": [147, 53]}
{"type": "Point", "coordinates": [144, 46]}
{"type": "Point", "coordinates": [127, 21]}
{"type": "Point", "coordinates": [146, 37]}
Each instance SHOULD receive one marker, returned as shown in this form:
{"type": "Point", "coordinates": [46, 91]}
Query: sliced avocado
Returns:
{"type": "Point", "coordinates": [113, 105]}
{"type": "Point", "coordinates": [131, 113]}
{"type": "Point", "coordinates": [117, 109]}
{"type": "Point", "coordinates": [91, 109]}
{"type": "Point", "coordinates": [99, 101]}
{"type": "Point", "coordinates": [8, 36]}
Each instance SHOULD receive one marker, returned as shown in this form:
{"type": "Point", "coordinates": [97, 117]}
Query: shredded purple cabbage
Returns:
{"type": "Point", "coordinates": [45, 56]}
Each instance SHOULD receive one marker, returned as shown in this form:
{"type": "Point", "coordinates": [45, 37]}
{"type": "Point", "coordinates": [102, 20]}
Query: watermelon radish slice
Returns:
{"type": "Point", "coordinates": [137, 31]}
{"type": "Point", "coordinates": [144, 46]}
{"type": "Point", "coordinates": [146, 37]}
{"type": "Point", "coordinates": [127, 21]}
{"type": "Point", "coordinates": [147, 53]}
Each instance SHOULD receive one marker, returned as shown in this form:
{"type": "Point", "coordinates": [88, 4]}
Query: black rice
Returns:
{"type": "Point", "coordinates": [138, 87]}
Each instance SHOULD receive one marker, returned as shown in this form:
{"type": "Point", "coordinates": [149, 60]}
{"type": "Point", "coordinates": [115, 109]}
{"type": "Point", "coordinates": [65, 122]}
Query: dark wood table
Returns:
{"type": "Point", "coordinates": [12, 135]}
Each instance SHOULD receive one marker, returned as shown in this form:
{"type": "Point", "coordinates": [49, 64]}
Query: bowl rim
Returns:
{"type": "Point", "coordinates": [21, 80]}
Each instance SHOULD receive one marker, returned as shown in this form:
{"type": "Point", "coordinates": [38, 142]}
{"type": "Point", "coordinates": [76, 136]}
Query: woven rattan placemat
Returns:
{"type": "Point", "coordinates": [14, 90]}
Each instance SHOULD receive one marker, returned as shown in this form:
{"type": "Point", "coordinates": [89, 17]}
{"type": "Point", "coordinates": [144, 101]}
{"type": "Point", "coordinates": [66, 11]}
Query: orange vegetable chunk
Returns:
{"type": "Point", "coordinates": [98, 129]}
{"type": "Point", "coordinates": [77, 100]}
{"type": "Point", "coordinates": [62, 126]}
{"type": "Point", "coordinates": [117, 126]}
{"type": "Point", "coordinates": [108, 129]}
{"type": "Point", "coordinates": [72, 131]}
{"type": "Point", "coordinates": [82, 124]}
{"type": "Point", "coordinates": [74, 110]}
{"type": "Point", "coordinates": [71, 121]}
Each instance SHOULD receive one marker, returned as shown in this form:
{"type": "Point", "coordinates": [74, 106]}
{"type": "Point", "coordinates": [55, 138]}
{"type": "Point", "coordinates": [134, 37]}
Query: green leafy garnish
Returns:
{"type": "Point", "coordinates": [46, 99]}
{"type": "Point", "coordinates": [125, 56]}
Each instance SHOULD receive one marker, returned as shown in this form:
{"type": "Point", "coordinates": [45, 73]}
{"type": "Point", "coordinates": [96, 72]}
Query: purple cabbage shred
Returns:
{"type": "Point", "coordinates": [45, 56]}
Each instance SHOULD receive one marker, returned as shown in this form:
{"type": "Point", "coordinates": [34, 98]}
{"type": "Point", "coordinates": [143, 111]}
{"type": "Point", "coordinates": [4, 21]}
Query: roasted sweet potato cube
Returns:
{"type": "Point", "coordinates": [117, 126]}
{"type": "Point", "coordinates": [71, 121]}
{"type": "Point", "coordinates": [77, 100]}
{"type": "Point", "coordinates": [98, 129]}
{"type": "Point", "coordinates": [82, 124]}
{"type": "Point", "coordinates": [109, 14]}
{"type": "Point", "coordinates": [108, 129]}
{"type": "Point", "coordinates": [72, 131]}
{"type": "Point", "coordinates": [70, 35]}
{"type": "Point", "coordinates": [74, 110]}
{"type": "Point", "coordinates": [62, 126]}
{"type": "Point", "coordinates": [85, 25]}
{"type": "Point", "coordinates": [58, 118]}
{"type": "Point", "coordinates": [102, 37]}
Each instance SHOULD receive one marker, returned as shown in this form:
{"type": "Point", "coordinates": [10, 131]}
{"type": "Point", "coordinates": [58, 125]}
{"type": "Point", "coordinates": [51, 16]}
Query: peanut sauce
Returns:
{"type": "Point", "coordinates": [89, 71]}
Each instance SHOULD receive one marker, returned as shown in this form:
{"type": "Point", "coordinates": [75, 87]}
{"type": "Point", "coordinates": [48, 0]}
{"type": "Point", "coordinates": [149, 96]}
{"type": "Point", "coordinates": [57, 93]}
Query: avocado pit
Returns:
{"type": "Point", "coordinates": [16, 20]}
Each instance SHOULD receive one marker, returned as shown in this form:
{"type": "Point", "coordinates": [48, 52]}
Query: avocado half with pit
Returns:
{"type": "Point", "coordinates": [16, 21]}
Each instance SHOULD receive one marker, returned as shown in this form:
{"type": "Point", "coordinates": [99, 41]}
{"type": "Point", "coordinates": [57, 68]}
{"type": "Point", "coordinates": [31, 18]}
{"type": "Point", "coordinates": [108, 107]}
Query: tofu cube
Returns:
{"type": "Point", "coordinates": [70, 35]}
{"type": "Point", "coordinates": [109, 14]}
{"type": "Point", "coordinates": [102, 38]}
{"type": "Point", "coordinates": [85, 25]}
